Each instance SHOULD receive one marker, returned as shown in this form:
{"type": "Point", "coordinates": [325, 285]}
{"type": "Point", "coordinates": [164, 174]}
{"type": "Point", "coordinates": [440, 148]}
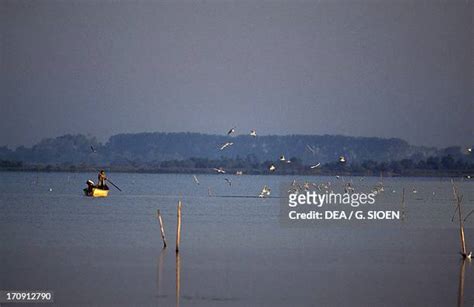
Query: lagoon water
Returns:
{"type": "Point", "coordinates": [235, 251]}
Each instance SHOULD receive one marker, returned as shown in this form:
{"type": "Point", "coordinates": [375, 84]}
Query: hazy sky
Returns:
{"type": "Point", "coordinates": [363, 68]}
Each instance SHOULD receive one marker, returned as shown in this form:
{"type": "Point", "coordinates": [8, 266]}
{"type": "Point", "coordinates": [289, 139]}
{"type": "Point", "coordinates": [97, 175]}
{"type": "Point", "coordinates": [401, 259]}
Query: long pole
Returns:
{"type": "Point", "coordinates": [162, 228]}
{"type": "Point", "coordinates": [461, 222]}
{"type": "Point", "coordinates": [403, 204]}
{"type": "Point", "coordinates": [178, 227]}
{"type": "Point", "coordinates": [114, 185]}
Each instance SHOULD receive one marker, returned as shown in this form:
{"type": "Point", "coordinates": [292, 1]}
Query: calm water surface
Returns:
{"type": "Point", "coordinates": [234, 251]}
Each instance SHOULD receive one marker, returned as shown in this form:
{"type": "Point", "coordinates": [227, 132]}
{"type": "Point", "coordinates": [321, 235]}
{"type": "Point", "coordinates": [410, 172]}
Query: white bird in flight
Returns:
{"type": "Point", "coordinates": [232, 130]}
{"type": "Point", "coordinates": [272, 168]}
{"type": "Point", "coordinates": [196, 179]}
{"type": "Point", "coordinates": [224, 146]}
{"type": "Point", "coordinates": [342, 159]}
{"type": "Point", "coordinates": [314, 166]}
{"type": "Point", "coordinates": [253, 133]}
{"type": "Point", "coordinates": [219, 170]}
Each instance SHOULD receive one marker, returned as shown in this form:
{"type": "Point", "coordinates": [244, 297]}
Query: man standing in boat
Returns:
{"type": "Point", "coordinates": [101, 180]}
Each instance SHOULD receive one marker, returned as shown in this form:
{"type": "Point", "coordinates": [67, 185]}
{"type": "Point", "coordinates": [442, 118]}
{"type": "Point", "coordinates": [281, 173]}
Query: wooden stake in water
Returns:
{"type": "Point", "coordinates": [461, 221]}
{"type": "Point", "coordinates": [403, 204]}
{"type": "Point", "coordinates": [162, 228]}
{"type": "Point", "coordinates": [178, 227]}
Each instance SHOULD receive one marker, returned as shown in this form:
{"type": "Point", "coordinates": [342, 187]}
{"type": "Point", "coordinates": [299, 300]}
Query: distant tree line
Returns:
{"type": "Point", "coordinates": [10, 164]}
{"type": "Point", "coordinates": [152, 148]}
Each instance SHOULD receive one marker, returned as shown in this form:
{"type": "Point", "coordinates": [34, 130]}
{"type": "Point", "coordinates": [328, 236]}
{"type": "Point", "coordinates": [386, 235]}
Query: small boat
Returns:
{"type": "Point", "coordinates": [96, 192]}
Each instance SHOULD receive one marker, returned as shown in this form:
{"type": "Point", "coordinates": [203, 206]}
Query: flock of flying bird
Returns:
{"type": "Point", "coordinates": [295, 187]}
{"type": "Point", "coordinates": [272, 167]}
